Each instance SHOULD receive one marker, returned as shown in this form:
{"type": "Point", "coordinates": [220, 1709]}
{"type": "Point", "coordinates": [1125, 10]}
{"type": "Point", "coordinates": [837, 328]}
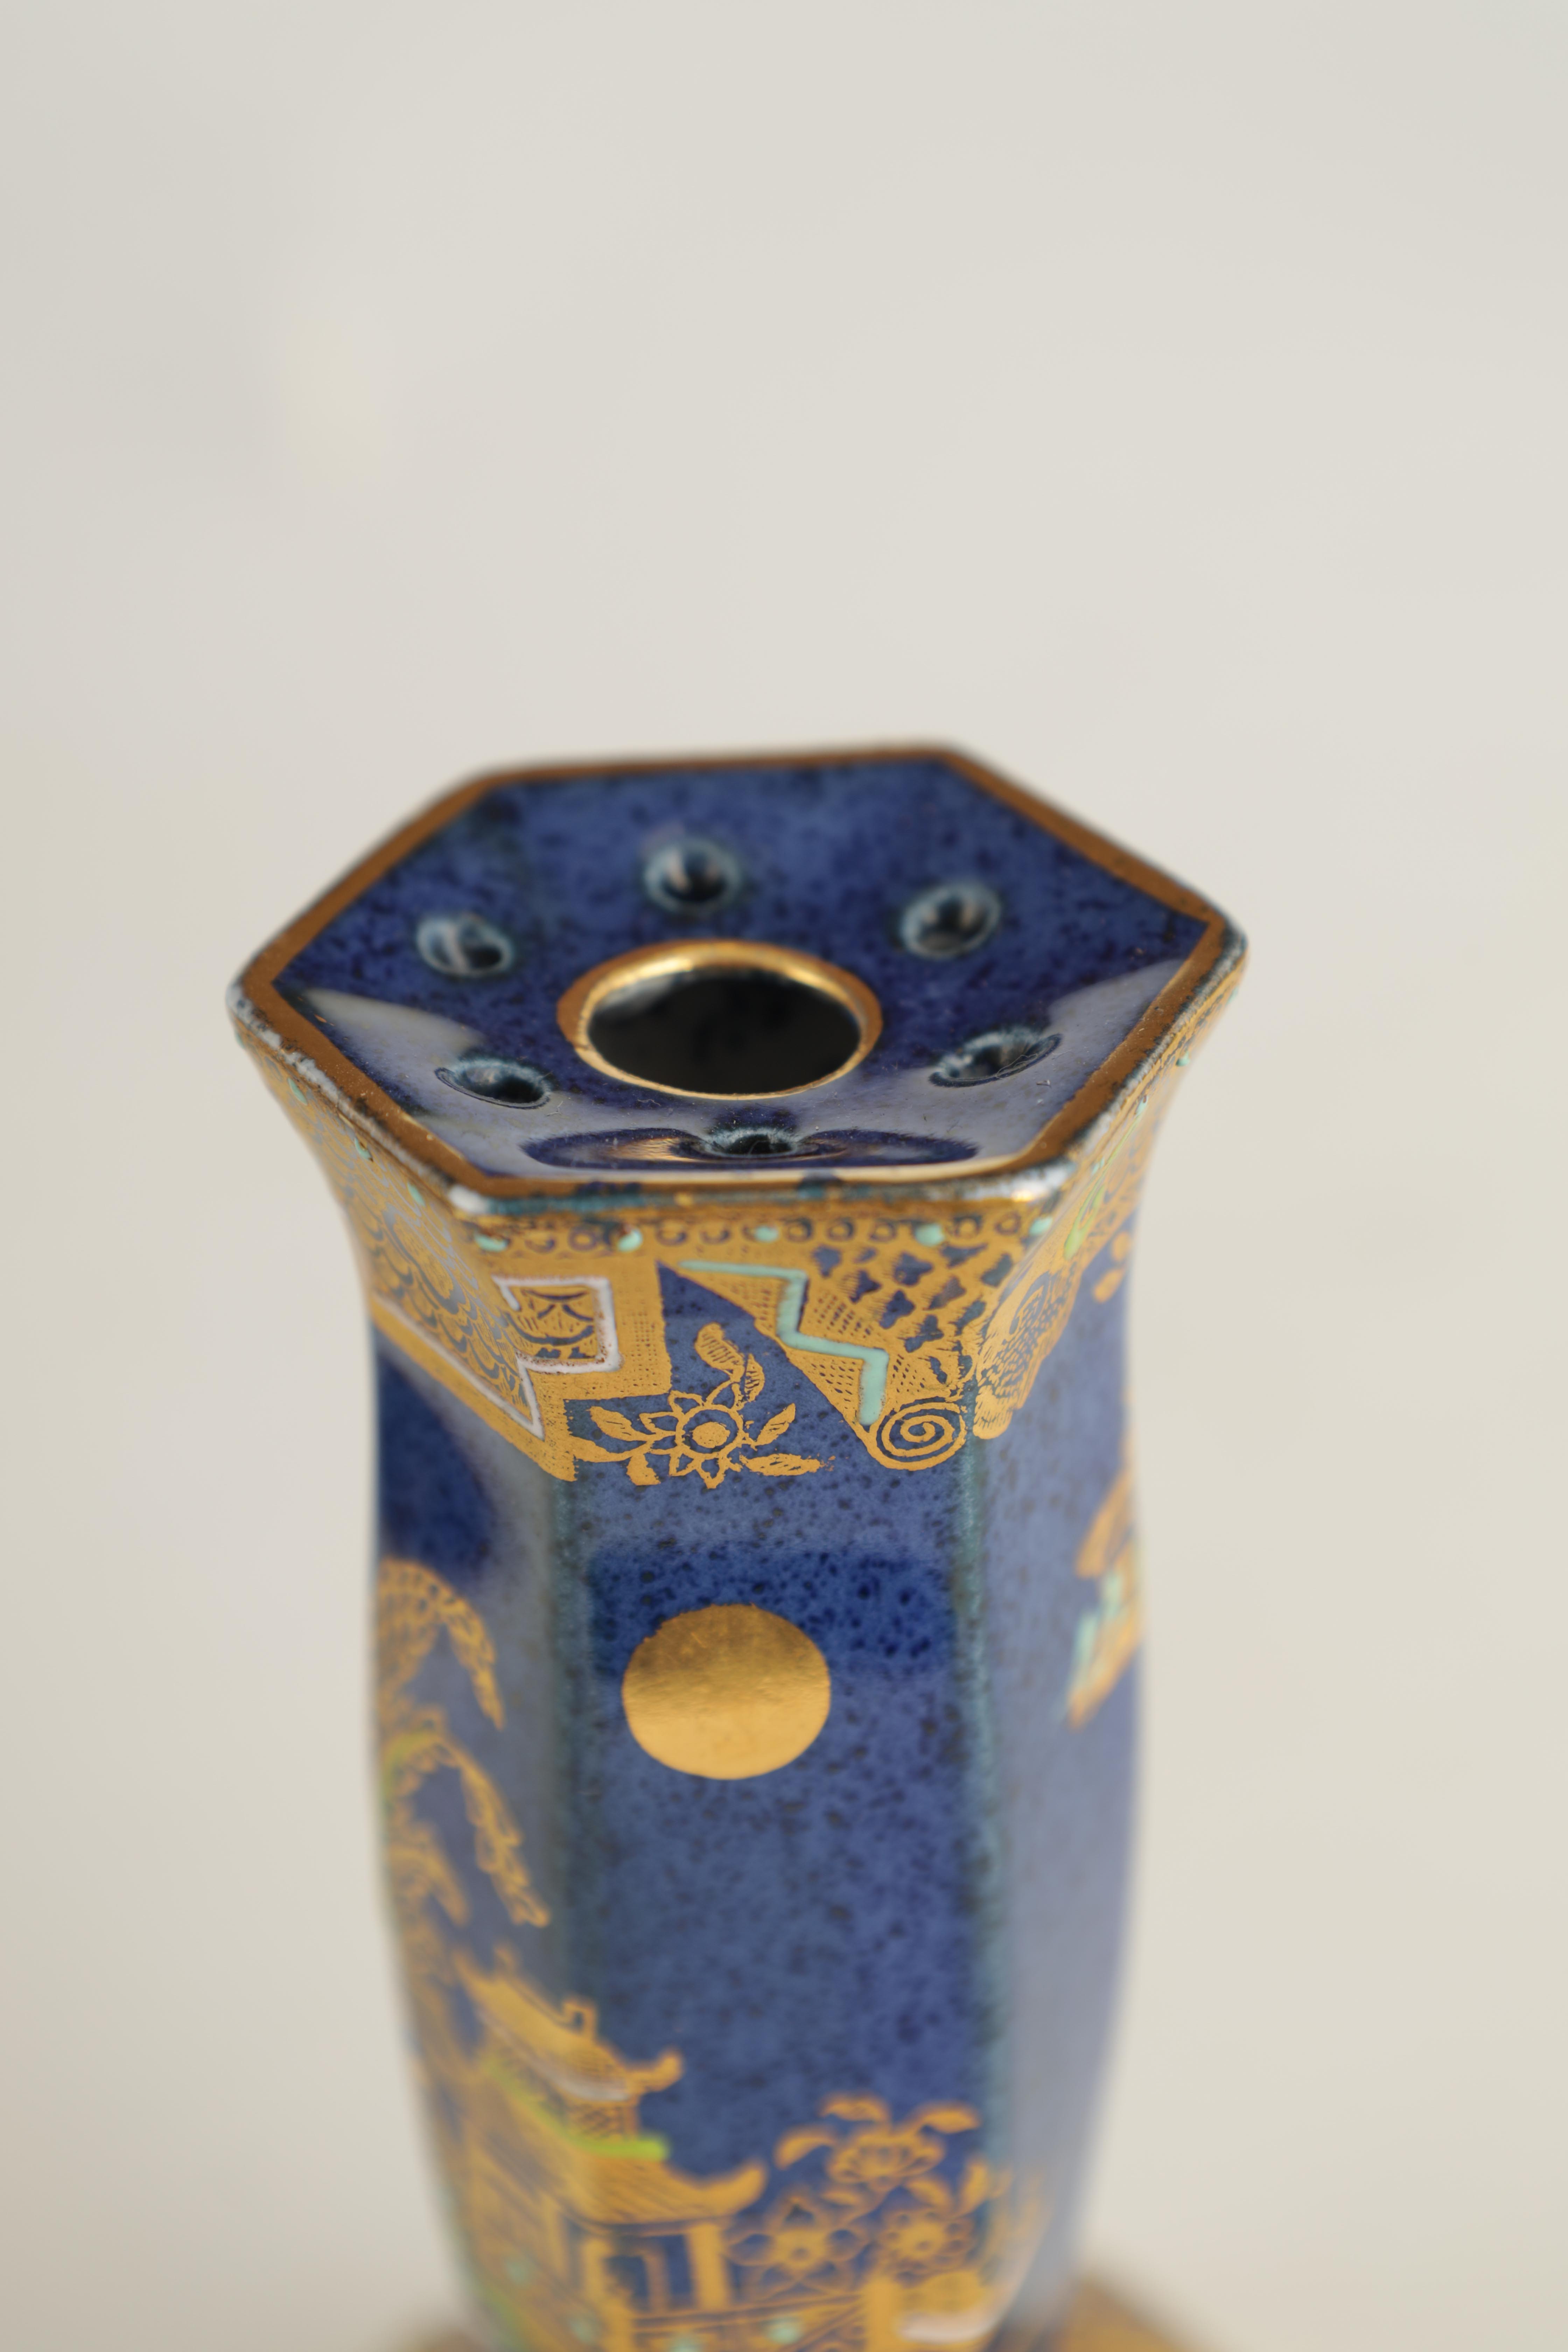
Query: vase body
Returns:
{"type": "Point", "coordinates": [758, 1604]}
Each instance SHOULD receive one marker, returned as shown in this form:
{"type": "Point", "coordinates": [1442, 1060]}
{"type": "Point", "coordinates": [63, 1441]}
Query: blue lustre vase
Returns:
{"type": "Point", "coordinates": [742, 1158]}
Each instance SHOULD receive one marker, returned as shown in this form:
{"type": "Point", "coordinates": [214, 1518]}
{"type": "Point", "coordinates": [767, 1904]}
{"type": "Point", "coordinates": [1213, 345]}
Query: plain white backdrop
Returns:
{"type": "Point", "coordinates": [1167, 403]}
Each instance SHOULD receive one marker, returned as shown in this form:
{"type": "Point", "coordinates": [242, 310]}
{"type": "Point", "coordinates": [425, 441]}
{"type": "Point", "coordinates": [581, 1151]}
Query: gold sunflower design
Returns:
{"type": "Point", "coordinates": [711, 1434]}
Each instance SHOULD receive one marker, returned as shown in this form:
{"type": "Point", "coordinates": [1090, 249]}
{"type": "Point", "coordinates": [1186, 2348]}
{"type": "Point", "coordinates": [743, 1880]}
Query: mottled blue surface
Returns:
{"type": "Point", "coordinates": [1062, 1797]}
{"type": "Point", "coordinates": [832, 852]}
{"type": "Point", "coordinates": [926, 1905]}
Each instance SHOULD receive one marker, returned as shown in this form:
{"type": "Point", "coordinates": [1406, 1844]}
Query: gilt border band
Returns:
{"type": "Point", "coordinates": [924, 1322]}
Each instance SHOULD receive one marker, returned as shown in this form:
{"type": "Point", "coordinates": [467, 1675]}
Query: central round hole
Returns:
{"type": "Point", "coordinates": [727, 1030]}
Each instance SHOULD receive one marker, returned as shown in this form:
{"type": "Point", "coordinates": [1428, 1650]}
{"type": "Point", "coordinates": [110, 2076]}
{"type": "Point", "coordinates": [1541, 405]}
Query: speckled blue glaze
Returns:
{"type": "Point", "coordinates": [927, 1904]}
{"type": "Point", "coordinates": [832, 851]}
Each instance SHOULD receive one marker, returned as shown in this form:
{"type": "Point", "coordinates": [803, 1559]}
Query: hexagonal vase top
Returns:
{"type": "Point", "coordinates": [559, 979]}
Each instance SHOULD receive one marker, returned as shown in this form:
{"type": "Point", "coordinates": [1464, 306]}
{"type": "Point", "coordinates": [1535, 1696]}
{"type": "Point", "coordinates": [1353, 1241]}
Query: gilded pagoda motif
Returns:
{"type": "Point", "coordinates": [877, 2234]}
{"type": "Point", "coordinates": [581, 2231]}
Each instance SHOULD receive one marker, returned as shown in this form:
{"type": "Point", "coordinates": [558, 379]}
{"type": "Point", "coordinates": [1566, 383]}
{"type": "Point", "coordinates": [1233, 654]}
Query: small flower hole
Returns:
{"type": "Point", "coordinates": [951, 919]}
{"type": "Point", "coordinates": [464, 946]}
{"type": "Point", "coordinates": [491, 1078]}
{"type": "Point", "coordinates": [693, 876]}
{"type": "Point", "coordinates": [996, 1053]}
{"type": "Point", "coordinates": [749, 1143]}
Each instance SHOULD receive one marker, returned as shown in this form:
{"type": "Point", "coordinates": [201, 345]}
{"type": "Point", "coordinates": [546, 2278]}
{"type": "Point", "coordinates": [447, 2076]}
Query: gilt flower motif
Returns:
{"type": "Point", "coordinates": [709, 1435]}
{"type": "Point", "coordinates": [917, 2240]}
{"type": "Point", "coordinates": [802, 2242]}
{"type": "Point", "coordinates": [881, 2205]}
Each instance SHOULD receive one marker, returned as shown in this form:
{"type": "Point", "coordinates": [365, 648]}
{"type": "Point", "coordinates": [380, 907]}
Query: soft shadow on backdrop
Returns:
{"type": "Point", "coordinates": [1167, 403]}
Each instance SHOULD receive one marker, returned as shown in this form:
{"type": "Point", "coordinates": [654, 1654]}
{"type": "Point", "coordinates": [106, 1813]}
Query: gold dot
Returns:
{"type": "Point", "coordinates": [727, 1692]}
